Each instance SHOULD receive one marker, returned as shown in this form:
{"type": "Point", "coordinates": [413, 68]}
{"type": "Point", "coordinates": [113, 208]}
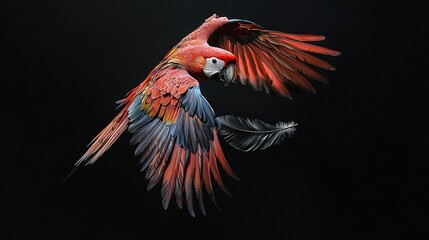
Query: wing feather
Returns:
{"type": "Point", "coordinates": [174, 130]}
{"type": "Point", "coordinates": [250, 135]}
{"type": "Point", "coordinates": [269, 60]}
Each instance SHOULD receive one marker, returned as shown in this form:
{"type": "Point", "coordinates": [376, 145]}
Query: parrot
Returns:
{"type": "Point", "coordinates": [174, 128]}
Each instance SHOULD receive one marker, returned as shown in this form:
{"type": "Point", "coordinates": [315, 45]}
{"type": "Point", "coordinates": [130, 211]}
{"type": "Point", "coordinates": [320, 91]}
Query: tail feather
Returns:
{"type": "Point", "coordinates": [108, 136]}
{"type": "Point", "coordinates": [105, 139]}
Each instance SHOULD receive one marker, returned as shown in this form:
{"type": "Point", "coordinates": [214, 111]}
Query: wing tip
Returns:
{"type": "Point", "coordinates": [335, 53]}
{"type": "Point", "coordinates": [192, 213]}
{"type": "Point", "coordinates": [237, 20]}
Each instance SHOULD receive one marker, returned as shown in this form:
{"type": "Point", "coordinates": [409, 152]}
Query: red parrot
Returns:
{"type": "Point", "coordinates": [175, 128]}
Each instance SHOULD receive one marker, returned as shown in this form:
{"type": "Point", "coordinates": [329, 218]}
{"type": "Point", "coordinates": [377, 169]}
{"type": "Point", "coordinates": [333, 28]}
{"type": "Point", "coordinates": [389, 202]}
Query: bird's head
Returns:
{"type": "Point", "coordinates": [220, 66]}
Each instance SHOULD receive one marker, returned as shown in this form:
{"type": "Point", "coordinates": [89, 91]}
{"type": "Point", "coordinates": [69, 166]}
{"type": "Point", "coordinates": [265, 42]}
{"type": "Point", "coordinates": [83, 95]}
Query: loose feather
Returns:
{"type": "Point", "coordinates": [250, 135]}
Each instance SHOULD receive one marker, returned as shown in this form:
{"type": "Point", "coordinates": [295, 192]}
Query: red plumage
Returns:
{"type": "Point", "coordinates": [174, 127]}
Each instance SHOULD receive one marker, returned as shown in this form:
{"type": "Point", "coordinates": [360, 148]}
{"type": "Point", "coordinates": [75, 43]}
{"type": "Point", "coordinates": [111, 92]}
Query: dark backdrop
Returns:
{"type": "Point", "coordinates": [356, 169]}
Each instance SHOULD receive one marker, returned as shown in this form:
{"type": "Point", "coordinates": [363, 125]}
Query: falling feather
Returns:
{"type": "Point", "coordinates": [250, 135]}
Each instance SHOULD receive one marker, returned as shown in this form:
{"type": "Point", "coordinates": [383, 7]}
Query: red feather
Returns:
{"type": "Point", "coordinates": [272, 60]}
{"type": "Point", "coordinates": [174, 127]}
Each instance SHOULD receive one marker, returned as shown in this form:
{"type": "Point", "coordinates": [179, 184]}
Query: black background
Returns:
{"type": "Point", "coordinates": [356, 169]}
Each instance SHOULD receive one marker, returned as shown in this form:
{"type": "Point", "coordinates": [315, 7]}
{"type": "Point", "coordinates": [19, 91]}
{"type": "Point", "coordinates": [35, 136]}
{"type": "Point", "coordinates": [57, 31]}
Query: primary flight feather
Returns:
{"type": "Point", "coordinates": [174, 128]}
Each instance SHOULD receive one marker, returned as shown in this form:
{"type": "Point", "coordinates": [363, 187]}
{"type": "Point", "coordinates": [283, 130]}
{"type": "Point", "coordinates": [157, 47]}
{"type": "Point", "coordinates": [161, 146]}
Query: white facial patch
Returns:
{"type": "Point", "coordinates": [213, 66]}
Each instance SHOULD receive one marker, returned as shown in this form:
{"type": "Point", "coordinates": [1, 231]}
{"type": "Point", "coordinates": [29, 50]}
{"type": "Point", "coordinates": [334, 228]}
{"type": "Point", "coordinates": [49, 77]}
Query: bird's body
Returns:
{"type": "Point", "coordinates": [173, 126]}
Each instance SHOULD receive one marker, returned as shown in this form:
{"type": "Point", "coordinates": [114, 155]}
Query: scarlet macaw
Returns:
{"type": "Point", "coordinates": [171, 122]}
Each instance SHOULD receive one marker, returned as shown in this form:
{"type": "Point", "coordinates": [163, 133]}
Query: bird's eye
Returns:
{"type": "Point", "coordinates": [213, 65]}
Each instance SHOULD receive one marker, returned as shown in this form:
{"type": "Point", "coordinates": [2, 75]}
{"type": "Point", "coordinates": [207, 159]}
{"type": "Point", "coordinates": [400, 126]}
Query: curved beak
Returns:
{"type": "Point", "coordinates": [226, 75]}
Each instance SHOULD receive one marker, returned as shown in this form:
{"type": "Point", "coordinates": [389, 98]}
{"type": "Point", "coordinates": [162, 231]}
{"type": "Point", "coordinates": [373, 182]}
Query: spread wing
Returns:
{"type": "Point", "coordinates": [173, 127]}
{"type": "Point", "coordinates": [269, 60]}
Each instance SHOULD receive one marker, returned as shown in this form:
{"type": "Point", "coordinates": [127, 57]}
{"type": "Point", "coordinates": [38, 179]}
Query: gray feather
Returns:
{"type": "Point", "coordinates": [252, 134]}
